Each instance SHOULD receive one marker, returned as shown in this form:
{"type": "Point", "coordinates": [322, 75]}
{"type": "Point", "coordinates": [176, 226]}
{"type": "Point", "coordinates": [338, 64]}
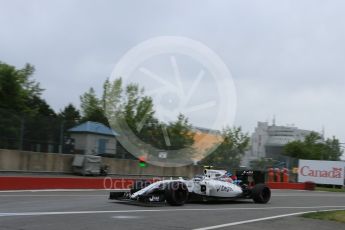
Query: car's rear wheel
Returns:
{"type": "Point", "coordinates": [176, 193]}
{"type": "Point", "coordinates": [261, 193]}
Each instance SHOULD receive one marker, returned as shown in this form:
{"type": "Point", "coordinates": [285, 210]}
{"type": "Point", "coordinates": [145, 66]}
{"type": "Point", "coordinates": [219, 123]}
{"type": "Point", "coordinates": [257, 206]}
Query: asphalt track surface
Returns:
{"type": "Point", "coordinates": [92, 210]}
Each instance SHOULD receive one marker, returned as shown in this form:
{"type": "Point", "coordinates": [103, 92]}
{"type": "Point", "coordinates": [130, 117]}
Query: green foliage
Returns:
{"type": "Point", "coordinates": [12, 95]}
{"type": "Point", "coordinates": [19, 92]}
{"type": "Point", "coordinates": [314, 148]}
{"type": "Point", "coordinates": [112, 99]}
{"type": "Point", "coordinates": [32, 119]}
{"type": "Point", "coordinates": [330, 189]}
{"type": "Point", "coordinates": [338, 216]}
{"type": "Point", "coordinates": [91, 108]}
{"type": "Point", "coordinates": [230, 151]}
{"type": "Point", "coordinates": [39, 107]}
{"type": "Point", "coordinates": [137, 108]}
{"type": "Point", "coordinates": [89, 102]}
{"type": "Point", "coordinates": [10, 126]}
{"type": "Point", "coordinates": [180, 133]}
{"type": "Point", "coordinates": [130, 105]}
{"type": "Point", "coordinates": [70, 116]}
{"type": "Point", "coordinates": [25, 118]}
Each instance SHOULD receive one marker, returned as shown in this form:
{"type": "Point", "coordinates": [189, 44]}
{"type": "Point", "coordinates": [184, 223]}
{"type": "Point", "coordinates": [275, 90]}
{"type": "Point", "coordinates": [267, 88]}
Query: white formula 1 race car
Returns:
{"type": "Point", "coordinates": [213, 185]}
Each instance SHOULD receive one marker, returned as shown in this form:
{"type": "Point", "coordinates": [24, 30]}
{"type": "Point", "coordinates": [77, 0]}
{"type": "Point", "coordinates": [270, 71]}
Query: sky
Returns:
{"type": "Point", "coordinates": [286, 58]}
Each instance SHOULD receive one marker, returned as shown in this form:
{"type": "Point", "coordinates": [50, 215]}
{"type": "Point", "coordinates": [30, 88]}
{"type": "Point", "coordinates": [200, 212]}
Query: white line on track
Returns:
{"type": "Point", "coordinates": [59, 190]}
{"type": "Point", "coordinates": [309, 195]}
{"type": "Point", "coordinates": [158, 210]}
{"type": "Point", "coordinates": [94, 195]}
{"type": "Point", "coordinates": [261, 219]}
{"type": "Point", "coordinates": [126, 217]}
{"type": "Point", "coordinates": [52, 195]}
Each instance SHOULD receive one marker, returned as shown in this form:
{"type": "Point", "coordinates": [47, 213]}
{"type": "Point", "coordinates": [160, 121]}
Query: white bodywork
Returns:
{"type": "Point", "coordinates": [216, 182]}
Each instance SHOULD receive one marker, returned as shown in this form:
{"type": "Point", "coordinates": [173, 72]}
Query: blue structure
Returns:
{"type": "Point", "coordinates": [93, 127]}
{"type": "Point", "coordinates": [94, 138]}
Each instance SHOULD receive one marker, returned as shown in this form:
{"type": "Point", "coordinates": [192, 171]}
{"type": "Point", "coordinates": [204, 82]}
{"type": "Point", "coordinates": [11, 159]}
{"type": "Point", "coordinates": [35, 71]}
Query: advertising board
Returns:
{"type": "Point", "coordinates": [321, 172]}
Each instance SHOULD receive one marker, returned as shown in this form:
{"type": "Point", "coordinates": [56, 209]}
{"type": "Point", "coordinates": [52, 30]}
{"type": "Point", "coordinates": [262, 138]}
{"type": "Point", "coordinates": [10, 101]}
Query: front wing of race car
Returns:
{"type": "Point", "coordinates": [122, 198]}
{"type": "Point", "coordinates": [158, 193]}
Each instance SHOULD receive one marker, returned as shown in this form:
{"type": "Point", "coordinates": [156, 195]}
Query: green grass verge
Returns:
{"type": "Point", "coordinates": [329, 189]}
{"type": "Point", "coordinates": [331, 215]}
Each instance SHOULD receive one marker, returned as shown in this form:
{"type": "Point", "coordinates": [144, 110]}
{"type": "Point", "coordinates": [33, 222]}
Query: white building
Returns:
{"type": "Point", "coordinates": [268, 141]}
{"type": "Point", "coordinates": [94, 138]}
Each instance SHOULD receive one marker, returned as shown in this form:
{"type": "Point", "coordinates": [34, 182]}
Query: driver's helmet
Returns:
{"type": "Point", "coordinates": [229, 174]}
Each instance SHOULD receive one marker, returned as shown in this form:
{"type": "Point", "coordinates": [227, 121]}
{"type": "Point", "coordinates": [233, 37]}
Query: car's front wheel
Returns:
{"type": "Point", "coordinates": [176, 193]}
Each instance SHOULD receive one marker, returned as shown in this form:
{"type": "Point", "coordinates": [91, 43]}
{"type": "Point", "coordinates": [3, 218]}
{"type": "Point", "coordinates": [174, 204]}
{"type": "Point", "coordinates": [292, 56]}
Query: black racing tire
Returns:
{"type": "Point", "coordinates": [176, 193]}
{"type": "Point", "coordinates": [261, 194]}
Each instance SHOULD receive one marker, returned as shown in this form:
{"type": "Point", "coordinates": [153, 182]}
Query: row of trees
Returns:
{"type": "Point", "coordinates": [229, 153]}
{"type": "Point", "coordinates": [314, 147]}
{"type": "Point", "coordinates": [129, 104]}
{"type": "Point", "coordinates": [20, 95]}
{"type": "Point", "coordinates": [22, 110]}
{"type": "Point", "coordinates": [25, 115]}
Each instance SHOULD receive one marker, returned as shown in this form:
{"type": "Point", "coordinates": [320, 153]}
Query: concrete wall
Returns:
{"type": "Point", "coordinates": [14, 160]}
{"type": "Point", "coordinates": [124, 166]}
